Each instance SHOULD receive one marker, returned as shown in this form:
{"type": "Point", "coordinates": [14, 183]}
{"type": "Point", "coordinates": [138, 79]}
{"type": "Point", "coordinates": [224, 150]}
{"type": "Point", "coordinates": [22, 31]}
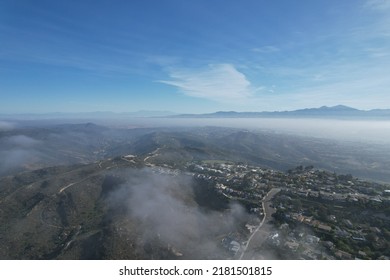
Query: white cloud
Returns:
{"type": "Point", "coordinates": [217, 82]}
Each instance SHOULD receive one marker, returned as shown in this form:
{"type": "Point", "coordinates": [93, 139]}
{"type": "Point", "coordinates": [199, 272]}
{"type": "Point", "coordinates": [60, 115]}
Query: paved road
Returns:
{"type": "Point", "coordinates": [261, 233]}
{"type": "Point", "coordinates": [152, 154]}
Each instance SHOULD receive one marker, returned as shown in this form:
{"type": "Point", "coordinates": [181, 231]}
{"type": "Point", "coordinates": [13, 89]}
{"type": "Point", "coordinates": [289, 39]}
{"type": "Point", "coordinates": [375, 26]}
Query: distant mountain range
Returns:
{"type": "Point", "coordinates": [339, 111]}
{"type": "Point", "coordinates": [89, 115]}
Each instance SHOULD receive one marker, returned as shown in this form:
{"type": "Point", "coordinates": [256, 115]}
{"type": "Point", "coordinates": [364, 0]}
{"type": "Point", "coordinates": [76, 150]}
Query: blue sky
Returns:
{"type": "Point", "coordinates": [193, 56]}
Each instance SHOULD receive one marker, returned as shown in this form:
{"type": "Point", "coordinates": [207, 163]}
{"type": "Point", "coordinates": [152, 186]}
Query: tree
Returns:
{"type": "Point", "coordinates": [279, 216]}
{"type": "Point", "coordinates": [322, 213]}
{"type": "Point", "coordinates": [297, 204]}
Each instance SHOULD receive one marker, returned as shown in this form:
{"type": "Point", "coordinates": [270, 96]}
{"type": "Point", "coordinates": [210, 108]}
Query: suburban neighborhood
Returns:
{"type": "Point", "coordinates": [316, 214]}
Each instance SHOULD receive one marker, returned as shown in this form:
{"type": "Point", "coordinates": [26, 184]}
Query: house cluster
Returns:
{"type": "Point", "coordinates": [350, 216]}
{"type": "Point", "coordinates": [323, 203]}
{"type": "Point", "coordinates": [239, 181]}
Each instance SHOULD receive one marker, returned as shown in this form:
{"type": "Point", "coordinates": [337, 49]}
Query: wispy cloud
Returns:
{"type": "Point", "coordinates": [379, 27]}
{"type": "Point", "coordinates": [378, 52]}
{"type": "Point", "coordinates": [355, 91]}
{"type": "Point", "coordinates": [266, 49]}
{"type": "Point", "coordinates": [379, 5]}
{"type": "Point", "coordinates": [162, 60]}
{"type": "Point", "coordinates": [218, 82]}
{"type": "Point", "coordinates": [356, 78]}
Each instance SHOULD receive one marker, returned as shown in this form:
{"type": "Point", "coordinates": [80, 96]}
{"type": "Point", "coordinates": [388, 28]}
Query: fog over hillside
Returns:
{"type": "Point", "coordinates": [357, 147]}
{"type": "Point", "coordinates": [352, 130]}
{"type": "Point", "coordinates": [165, 208]}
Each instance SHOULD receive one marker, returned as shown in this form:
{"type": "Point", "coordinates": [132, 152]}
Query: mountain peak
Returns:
{"type": "Point", "coordinates": [338, 108]}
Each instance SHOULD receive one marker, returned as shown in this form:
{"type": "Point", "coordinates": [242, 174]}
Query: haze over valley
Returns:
{"type": "Point", "coordinates": [284, 143]}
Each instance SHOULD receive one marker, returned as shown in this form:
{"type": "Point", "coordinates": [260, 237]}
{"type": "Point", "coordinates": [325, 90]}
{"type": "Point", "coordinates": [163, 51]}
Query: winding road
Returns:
{"type": "Point", "coordinates": [261, 233]}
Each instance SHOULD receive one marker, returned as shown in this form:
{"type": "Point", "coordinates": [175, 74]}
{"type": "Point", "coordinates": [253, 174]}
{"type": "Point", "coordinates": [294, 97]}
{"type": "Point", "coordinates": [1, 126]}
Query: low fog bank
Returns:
{"type": "Point", "coordinates": [350, 130]}
{"type": "Point", "coordinates": [370, 131]}
{"type": "Point", "coordinates": [18, 152]}
{"type": "Point", "coordinates": [366, 131]}
{"type": "Point", "coordinates": [166, 211]}
{"type": "Point", "coordinates": [357, 147]}
{"type": "Point", "coordinates": [4, 126]}
{"type": "Point", "coordinates": [29, 147]}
